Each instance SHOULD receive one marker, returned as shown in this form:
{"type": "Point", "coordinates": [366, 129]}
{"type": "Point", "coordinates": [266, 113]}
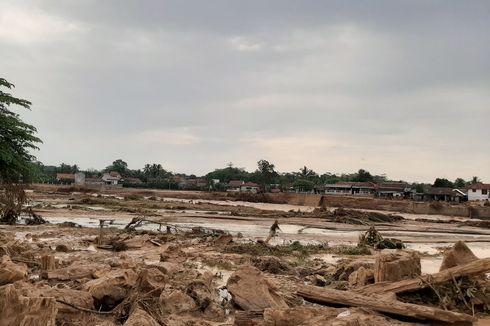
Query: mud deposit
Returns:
{"type": "Point", "coordinates": [196, 262]}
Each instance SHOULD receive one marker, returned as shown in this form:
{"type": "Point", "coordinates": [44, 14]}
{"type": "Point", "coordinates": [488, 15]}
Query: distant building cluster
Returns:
{"type": "Point", "coordinates": [400, 190]}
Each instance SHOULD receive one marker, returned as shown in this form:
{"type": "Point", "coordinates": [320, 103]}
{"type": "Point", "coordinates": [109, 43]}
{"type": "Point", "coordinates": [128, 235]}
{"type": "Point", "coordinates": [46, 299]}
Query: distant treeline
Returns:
{"type": "Point", "coordinates": [155, 176]}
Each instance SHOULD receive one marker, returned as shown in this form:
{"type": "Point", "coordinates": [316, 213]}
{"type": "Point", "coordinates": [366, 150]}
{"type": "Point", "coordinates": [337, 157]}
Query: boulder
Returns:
{"type": "Point", "coordinates": [176, 302]}
{"type": "Point", "coordinates": [396, 265]}
{"type": "Point", "coordinates": [112, 287]}
{"type": "Point", "coordinates": [11, 272]}
{"type": "Point", "coordinates": [459, 254]}
{"type": "Point", "coordinates": [140, 317]}
{"type": "Point", "coordinates": [16, 309]}
{"type": "Point", "coordinates": [361, 277]}
{"type": "Point", "coordinates": [252, 291]}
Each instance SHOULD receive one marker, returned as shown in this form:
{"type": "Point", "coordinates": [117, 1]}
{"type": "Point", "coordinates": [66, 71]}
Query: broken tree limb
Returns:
{"type": "Point", "coordinates": [381, 304]}
{"type": "Point", "coordinates": [476, 267]}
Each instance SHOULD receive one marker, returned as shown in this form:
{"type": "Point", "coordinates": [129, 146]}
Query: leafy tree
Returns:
{"type": "Point", "coordinates": [229, 173]}
{"type": "Point", "coordinates": [475, 180]}
{"type": "Point", "coordinates": [363, 176]}
{"type": "Point", "coordinates": [442, 182]}
{"type": "Point", "coordinates": [118, 166]}
{"type": "Point", "coordinates": [459, 183]}
{"type": "Point", "coordinates": [306, 173]}
{"type": "Point", "coordinates": [16, 137]}
{"type": "Point", "coordinates": [155, 172]}
{"type": "Point", "coordinates": [303, 185]}
{"type": "Point", "coordinates": [265, 172]}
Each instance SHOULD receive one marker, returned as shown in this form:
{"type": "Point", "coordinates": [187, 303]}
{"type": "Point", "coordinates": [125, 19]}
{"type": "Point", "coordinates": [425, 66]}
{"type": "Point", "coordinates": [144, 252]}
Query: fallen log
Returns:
{"type": "Point", "coordinates": [381, 304]}
{"type": "Point", "coordinates": [476, 267]}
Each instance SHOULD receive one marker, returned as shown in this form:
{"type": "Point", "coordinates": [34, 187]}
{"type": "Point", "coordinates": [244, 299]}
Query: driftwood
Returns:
{"type": "Point", "coordinates": [382, 304]}
{"type": "Point", "coordinates": [248, 318]}
{"type": "Point", "coordinates": [476, 267]}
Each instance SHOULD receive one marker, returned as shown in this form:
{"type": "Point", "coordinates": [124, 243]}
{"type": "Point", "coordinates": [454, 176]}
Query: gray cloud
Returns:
{"type": "Point", "coordinates": [400, 88]}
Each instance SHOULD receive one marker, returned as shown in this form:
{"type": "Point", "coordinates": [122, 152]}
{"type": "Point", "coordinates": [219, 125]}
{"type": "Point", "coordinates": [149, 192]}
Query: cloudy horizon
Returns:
{"type": "Point", "coordinates": [397, 88]}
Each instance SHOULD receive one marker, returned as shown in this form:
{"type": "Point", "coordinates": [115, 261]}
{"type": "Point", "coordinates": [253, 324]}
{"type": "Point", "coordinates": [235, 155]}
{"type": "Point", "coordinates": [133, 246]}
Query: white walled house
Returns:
{"type": "Point", "coordinates": [479, 191]}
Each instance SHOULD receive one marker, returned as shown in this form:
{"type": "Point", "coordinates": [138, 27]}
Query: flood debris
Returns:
{"type": "Point", "coordinates": [13, 201]}
{"type": "Point", "coordinates": [252, 291]}
{"type": "Point", "coordinates": [11, 272]}
{"type": "Point", "coordinates": [373, 238]}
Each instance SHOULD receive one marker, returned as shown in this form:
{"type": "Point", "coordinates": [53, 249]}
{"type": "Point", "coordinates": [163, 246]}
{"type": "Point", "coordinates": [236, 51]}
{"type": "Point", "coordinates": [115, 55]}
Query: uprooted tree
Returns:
{"type": "Point", "coordinates": [17, 138]}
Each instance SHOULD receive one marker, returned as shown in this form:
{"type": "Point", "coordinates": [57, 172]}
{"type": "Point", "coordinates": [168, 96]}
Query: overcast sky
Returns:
{"type": "Point", "coordinates": [395, 87]}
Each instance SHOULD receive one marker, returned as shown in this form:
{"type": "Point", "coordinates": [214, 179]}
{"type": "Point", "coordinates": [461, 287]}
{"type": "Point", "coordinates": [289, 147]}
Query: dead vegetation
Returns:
{"type": "Point", "coordinates": [13, 201]}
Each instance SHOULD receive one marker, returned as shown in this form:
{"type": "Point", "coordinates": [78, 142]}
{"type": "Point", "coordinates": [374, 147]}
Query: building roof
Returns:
{"type": "Point", "coordinates": [249, 184]}
{"type": "Point", "coordinates": [114, 174]}
{"type": "Point", "coordinates": [66, 176]}
{"type": "Point", "coordinates": [393, 186]}
{"type": "Point", "coordinates": [235, 183]}
{"type": "Point", "coordinates": [357, 184]}
{"type": "Point", "coordinates": [443, 191]}
{"type": "Point", "coordinates": [483, 186]}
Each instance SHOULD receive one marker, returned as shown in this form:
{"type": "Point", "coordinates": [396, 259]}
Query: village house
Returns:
{"type": "Point", "coordinates": [111, 178]}
{"type": "Point", "coordinates": [249, 187]}
{"type": "Point", "coordinates": [479, 191]}
{"type": "Point", "coordinates": [393, 190]}
{"type": "Point", "coordinates": [132, 181]}
{"type": "Point", "coordinates": [444, 194]}
{"type": "Point", "coordinates": [193, 184]}
{"type": "Point", "coordinates": [234, 185]}
{"type": "Point", "coordinates": [351, 188]}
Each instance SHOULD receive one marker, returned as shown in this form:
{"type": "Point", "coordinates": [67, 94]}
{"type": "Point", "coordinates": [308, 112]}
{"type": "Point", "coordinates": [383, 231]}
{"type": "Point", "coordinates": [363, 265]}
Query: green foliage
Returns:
{"type": "Point", "coordinates": [303, 185]}
{"type": "Point", "coordinates": [363, 176]}
{"type": "Point", "coordinates": [229, 173]}
{"type": "Point", "coordinates": [118, 166]}
{"type": "Point", "coordinates": [16, 138]}
{"type": "Point", "coordinates": [155, 172]}
{"type": "Point", "coordinates": [441, 182]}
{"type": "Point", "coordinates": [459, 183]}
{"type": "Point", "coordinates": [265, 172]}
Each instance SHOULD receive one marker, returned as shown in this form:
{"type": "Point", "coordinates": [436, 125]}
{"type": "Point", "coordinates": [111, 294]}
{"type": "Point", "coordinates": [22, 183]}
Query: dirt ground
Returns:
{"type": "Point", "coordinates": [195, 261]}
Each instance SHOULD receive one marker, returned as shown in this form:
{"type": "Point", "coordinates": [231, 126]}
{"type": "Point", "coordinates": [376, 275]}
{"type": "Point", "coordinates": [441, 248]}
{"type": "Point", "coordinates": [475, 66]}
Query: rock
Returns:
{"type": "Point", "coordinates": [176, 302]}
{"type": "Point", "coordinates": [251, 291]}
{"type": "Point", "coordinates": [151, 280]}
{"type": "Point", "coordinates": [396, 265]}
{"type": "Point", "coordinates": [111, 288]}
{"type": "Point", "coordinates": [459, 254]}
{"type": "Point", "coordinates": [19, 310]}
{"type": "Point", "coordinates": [140, 317]}
{"type": "Point", "coordinates": [361, 277]}
{"type": "Point", "coordinates": [11, 272]}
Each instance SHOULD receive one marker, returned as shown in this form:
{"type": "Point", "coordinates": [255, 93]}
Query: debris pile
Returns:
{"type": "Point", "coordinates": [202, 278]}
